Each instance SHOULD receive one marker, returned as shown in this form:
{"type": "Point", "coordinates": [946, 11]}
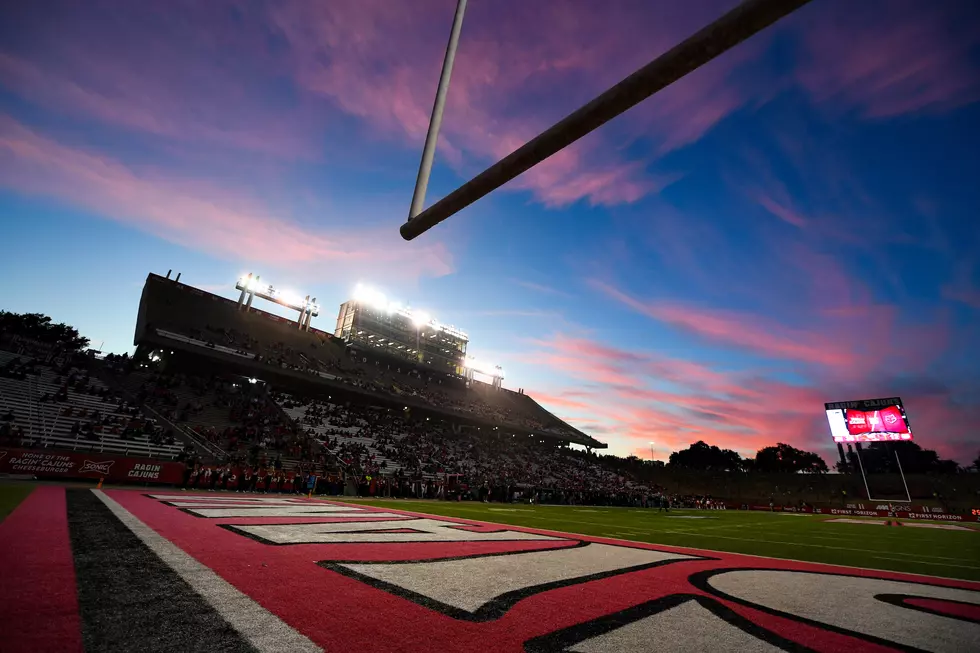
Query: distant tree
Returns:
{"type": "Point", "coordinates": [976, 463]}
{"type": "Point", "coordinates": [701, 455]}
{"type": "Point", "coordinates": [879, 458]}
{"type": "Point", "coordinates": [784, 458]}
{"type": "Point", "coordinates": [40, 328]}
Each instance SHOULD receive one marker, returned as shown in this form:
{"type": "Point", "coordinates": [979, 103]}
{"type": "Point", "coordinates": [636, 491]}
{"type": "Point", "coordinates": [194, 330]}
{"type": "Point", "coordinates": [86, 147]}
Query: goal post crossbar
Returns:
{"type": "Point", "coordinates": [742, 22]}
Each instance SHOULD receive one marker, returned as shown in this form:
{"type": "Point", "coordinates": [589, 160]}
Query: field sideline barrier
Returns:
{"type": "Point", "coordinates": [856, 512]}
{"type": "Point", "coordinates": [89, 465]}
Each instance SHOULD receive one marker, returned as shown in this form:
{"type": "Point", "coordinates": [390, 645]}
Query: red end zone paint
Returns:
{"type": "Point", "coordinates": [339, 607]}
{"type": "Point", "coordinates": [37, 582]}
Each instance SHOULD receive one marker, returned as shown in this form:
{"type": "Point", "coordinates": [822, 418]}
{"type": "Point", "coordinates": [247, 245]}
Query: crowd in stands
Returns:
{"type": "Point", "coordinates": [64, 404]}
{"type": "Point", "coordinates": [238, 417]}
{"type": "Point", "coordinates": [269, 441]}
{"type": "Point", "coordinates": [218, 324]}
{"type": "Point", "coordinates": [483, 462]}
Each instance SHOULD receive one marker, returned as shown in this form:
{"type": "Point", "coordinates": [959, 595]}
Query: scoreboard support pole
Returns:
{"type": "Point", "coordinates": [901, 473]}
{"type": "Point", "coordinates": [864, 476]}
{"type": "Point", "coordinates": [908, 495]}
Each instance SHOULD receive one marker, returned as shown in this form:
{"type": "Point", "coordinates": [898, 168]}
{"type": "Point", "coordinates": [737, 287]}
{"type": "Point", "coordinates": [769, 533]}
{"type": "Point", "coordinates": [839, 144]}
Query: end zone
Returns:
{"type": "Point", "coordinates": [355, 577]}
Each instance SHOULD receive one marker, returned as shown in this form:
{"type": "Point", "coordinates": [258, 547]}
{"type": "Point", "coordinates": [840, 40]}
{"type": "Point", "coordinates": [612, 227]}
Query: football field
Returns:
{"type": "Point", "coordinates": [167, 570]}
{"type": "Point", "coordinates": [933, 548]}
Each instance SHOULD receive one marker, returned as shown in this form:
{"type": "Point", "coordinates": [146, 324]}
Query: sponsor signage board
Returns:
{"type": "Point", "coordinates": [70, 464]}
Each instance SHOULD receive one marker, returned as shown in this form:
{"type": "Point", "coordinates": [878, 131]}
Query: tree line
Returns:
{"type": "Point", "coordinates": [876, 457]}
{"type": "Point", "coordinates": [42, 329]}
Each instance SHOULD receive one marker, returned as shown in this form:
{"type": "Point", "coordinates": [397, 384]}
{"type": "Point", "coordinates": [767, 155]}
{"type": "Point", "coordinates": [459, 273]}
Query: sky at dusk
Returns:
{"type": "Point", "coordinates": [794, 223]}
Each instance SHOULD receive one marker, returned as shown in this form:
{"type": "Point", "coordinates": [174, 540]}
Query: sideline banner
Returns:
{"type": "Point", "coordinates": [71, 464]}
{"type": "Point", "coordinates": [857, 512]}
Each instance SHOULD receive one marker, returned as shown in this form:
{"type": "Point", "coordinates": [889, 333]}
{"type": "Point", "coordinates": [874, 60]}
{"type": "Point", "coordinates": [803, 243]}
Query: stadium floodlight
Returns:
{"type": "Point", "coordinates": [370, 296]}
{"type": "Point", "coordinates": [251, 285]}
{"type": "Point", "coordinates": [483, 367]}
{"type": "Point", "coordinates": [742, 22]}
{"type": "Point", "coordinates": [421, 318]}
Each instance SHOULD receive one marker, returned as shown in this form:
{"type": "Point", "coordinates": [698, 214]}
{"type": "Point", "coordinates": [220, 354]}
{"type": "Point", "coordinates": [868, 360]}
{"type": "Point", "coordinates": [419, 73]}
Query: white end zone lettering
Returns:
{"type": "Point", "coordinates": [381, 532]}
{"type": "Point", "coordinates": [871, 608]}
{"type": "Point", "coordinates": [701, 624]}
{"type": "Point", "coordinates": [557, 592]}
{"type": "Point", "coordinates": [484, 587]}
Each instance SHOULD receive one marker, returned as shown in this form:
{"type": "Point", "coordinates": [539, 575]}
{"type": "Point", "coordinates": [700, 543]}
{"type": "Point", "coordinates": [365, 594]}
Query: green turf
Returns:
{"type": "Point", "coordinates": [954, 554]}
{"type": "Point", "coordinates": [11, 494]}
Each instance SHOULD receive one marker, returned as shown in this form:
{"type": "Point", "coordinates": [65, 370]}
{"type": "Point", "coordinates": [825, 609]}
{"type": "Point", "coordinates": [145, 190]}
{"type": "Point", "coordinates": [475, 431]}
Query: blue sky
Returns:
{"type": "Point", "coordinates": [794, 223]}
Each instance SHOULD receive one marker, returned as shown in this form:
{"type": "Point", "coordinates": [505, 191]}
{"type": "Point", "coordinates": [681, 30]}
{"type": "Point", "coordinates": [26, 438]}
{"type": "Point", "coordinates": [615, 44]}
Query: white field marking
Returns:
{"type": "Point", "coordinates": [845, 520]}
{"type": "Point", "coordinates": [263, 630]}
{"type": "Point", "coordinates": [506, 510]}
{"type": "Point", "coordinates": [693, 550]}
{"type": "Point", "coordinates": [795, 514]}
{"type": "Point", "coordinates": [926, 562]}
{"type": "Point", "coordinates": [623, 533]}
{"type": "Point", "coordinates": [471, 583]}
{"type": "Point", "coordinates": [711, 634]}
{"type": "Point", "coordinates": [424, 529]}
{"type": "Point", "coordinates": [218, 498]}
{"type": "Point", "coordinates": [942, 527]}
{"type": "Point", "coordinates": [286, 511]}
{"type": "Point", "coordinates": [820, 598]}
{"type": "Point", "coordinates": [881, 535]}
{"type": "Point", "coordinates": [230, 504]}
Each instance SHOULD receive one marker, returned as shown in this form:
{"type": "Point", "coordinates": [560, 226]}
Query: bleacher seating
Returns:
{"type": "Point", "coordinates": [173, 312]}
{"type": "Point", "coordinates": [339, 431]}
{"type": "Point", "coordinates": [44, 421]}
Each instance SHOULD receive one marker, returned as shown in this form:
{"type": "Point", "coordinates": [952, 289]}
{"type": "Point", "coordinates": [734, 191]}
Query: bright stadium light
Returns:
{"type": "Point", "coordinates": [366, 295]}
{"type": "Point", "coordinates": [252, 285]}
{"type": "Point", "coordinates": [421, 318]}
{"type": "Point", "coordinates": [484, 368]}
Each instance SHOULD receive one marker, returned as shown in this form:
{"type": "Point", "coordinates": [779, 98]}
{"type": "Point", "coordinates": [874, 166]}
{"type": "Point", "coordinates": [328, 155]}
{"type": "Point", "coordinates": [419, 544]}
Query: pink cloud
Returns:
{"type": "Point", "coordinates": [968, 296]}
{"type": "Point", "coordinates": [740, 410]}
{"type": "Point", "coordinates": [541, 288]}
{"type": "Point", "coordinates": [518, 70]}
{"type": "Point", "coordinates": [195, 215]}
{"type": "Point", "coordinates": [742, 330]}
{"type": "Point", "coordinates": [206, 106]}
{"type": "Point", "coordinates": [784, 213]}
{"type": "Point", "coordinates": [192, 76]}
{"type": "Point", "coordinates": [962, 288]}
{"type": "Point", "coordinates": [910, 57]}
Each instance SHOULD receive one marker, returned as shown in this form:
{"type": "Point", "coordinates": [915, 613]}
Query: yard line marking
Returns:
{"type": "Point", "coordinates": [935, 564]}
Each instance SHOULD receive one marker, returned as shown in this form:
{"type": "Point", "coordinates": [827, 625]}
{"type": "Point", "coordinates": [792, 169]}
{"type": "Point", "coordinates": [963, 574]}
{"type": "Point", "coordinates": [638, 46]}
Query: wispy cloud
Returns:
{"type": "Point", "coordinates": [541, 288]}
{"type": "Point", "coordinates": [637, 396]}
{"type": "Point", "coordinates": [213, 220]}
{"type": "Point", "coordinates": [892, 58]}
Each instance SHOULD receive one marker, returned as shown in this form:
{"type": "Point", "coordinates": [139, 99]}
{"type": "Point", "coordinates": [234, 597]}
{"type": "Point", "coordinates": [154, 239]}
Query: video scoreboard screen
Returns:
{"type": "Point", "coordinates": [868, 420]}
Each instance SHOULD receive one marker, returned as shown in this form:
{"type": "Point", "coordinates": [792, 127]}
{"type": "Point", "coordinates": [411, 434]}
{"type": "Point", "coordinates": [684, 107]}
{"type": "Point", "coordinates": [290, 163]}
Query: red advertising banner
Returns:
{"type": "Point", "coordinates": [69, 464]}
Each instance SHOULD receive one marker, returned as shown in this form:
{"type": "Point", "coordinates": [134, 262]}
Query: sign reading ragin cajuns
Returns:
{"type": "Point", "coordinates": [70, 464]}
{"type": "Point", "coordinates": [387, 580]}
{"type": "Point", "coordinates": [864, 404]}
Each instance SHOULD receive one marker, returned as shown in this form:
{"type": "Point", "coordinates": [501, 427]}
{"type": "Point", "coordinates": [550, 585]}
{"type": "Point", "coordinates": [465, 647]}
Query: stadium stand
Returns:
{"type": "Point", "coordinates": [176, 316]}
{"type": "Point", "coordinates": [246, 392]}
{"type": "Point", "coordinates": [66, 408]}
